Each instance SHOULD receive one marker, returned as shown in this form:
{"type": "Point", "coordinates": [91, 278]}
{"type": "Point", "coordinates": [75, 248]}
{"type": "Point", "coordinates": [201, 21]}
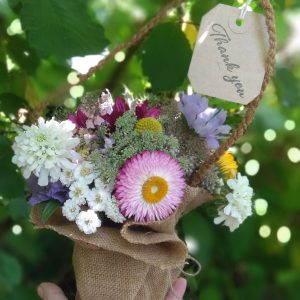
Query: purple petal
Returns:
{"type": "Point", "coordinates": [142, 111]}
{"type": "Point", "coordinates": [212, 142]}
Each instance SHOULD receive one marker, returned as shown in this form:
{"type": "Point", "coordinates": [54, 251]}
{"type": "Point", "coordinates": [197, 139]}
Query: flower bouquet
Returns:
{"type": "Point", "coordinates": [115, 176]}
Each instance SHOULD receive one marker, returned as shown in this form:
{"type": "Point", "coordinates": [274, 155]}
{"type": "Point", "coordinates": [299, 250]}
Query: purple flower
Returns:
{"type": "Point", "coordinates": [142, 111]}
{"type": "Point", "coordinates": [208, 122]}
{"type": "Point", "coordinates": [119, 108]}
{"type": "Point", "coordinates": [191, 106]}
{"type": "Point", "coordinates": [79, 119]}
{"type": "Point", "coordinates": [53, 191]}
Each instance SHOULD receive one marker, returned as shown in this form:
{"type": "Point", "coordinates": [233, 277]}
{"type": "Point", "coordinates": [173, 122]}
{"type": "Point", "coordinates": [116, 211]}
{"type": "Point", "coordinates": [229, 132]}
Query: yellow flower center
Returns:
{"type": "Point", "coordinates": [155, 189]}
{"type": "Point", "coordinates": [150, 124]}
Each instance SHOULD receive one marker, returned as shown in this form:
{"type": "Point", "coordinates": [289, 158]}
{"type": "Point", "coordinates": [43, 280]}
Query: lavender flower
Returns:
{"type": "Point", "coordinates": [206, 121]}
{"type": "Point", "coordinates": [53, 191]}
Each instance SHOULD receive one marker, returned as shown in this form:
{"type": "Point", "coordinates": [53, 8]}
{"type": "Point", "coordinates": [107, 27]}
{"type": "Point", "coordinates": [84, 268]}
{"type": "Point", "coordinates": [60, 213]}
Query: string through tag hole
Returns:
{"type": "Point", "coordinates": [241, 18]}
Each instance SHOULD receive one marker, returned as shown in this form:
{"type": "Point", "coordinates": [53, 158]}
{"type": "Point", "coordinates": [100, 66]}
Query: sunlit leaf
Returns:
{"type": "Point", "coordinates": [61, 28]}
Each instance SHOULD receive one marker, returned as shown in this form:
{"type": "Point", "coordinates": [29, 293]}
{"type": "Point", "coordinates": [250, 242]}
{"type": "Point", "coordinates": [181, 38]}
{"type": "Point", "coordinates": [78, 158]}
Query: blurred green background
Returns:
{"type": "Point", "coordinates": [45, 43]}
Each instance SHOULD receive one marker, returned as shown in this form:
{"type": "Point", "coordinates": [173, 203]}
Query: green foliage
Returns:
{"type": "Point", "coordinates": [10, 271]}
{"type": "Point", "coordinates": [19, 208]}
{"type": "Point", "coordinates": [47, 209]}
{"type": "Point", "coordinates": [10, 103]}
{"type": "Point", "coordinates": [166, 56]}
{"type": "Point", "coordinates": [79, 35]}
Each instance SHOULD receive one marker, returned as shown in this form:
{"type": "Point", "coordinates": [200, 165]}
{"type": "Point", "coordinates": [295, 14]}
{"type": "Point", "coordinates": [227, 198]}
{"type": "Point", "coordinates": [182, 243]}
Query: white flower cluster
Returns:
{"type": "Point", "coordinates": [45, 150]}
{"type": "Point", "coordinates": [239, 205]}
{"type": "Point", "coordinates": [98, 199]}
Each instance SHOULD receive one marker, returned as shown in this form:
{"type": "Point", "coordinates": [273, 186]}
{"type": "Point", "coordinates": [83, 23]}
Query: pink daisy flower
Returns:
{"type": "Point", "coordinates": [150, 186]}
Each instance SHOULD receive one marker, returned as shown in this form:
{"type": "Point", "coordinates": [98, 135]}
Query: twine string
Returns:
{"type": "Point", "coordinates": [244, 10]}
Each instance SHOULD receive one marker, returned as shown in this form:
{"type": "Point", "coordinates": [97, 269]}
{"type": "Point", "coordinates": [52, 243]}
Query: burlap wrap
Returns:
{"type": "Point", "coordinates": [138, 262]}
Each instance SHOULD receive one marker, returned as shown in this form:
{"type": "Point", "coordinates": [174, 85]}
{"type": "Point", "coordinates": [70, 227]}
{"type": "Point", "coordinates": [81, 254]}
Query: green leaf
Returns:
{"type": "Point", "coordinates": [200, 8]}
{"type": "Point", "coordinates": [210, 292]}
{"type": "Point", "coordinates": [10, 271]}
{"type": "Point", "coordinates": [3, 72]}
{"type": "Point", "coordinates": [47, 209]}
{"type": "Point", "coordinates": [166, 56]}
{"type": "Point", "coordinates": [22, 54]}
{"type": "Point", "coordinates": [287, 86]}
{"type": "Point", "coordinates": [10, 103]}
{"type": "Point", "coordinates": [19, 208]}
{"type": "Point", "coordinates": [11, 182]}
{"type": "Point", "coordinates": [61, 28]}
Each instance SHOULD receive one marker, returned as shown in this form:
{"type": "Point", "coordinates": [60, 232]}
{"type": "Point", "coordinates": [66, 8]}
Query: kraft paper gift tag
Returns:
{"type": "Point", "coordinates": [229, 60]}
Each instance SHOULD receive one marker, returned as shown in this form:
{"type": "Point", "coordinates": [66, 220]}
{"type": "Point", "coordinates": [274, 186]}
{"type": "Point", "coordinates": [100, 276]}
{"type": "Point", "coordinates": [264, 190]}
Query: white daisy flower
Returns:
{"type": "Point", "coordinates": [70, 209]}
{"type": "Point", "coordinates": [67, 177]}
{"type": "Point", "coordinates": [98, 199]}
{"type": "Point", "coordinates": [88, 221]}
{"type": "Point", "coordinates": [239, 205]}
{"type": "Point", "coordinates": [45, 149]}
{"type": "Point", "coordinates": [112, 211]}
{"type": "Point", "coordinates": [85, 172]}
{"type": "Point", "coordinates": [79, 191]}
{"type": "Point", "coordinates": [100, 185]}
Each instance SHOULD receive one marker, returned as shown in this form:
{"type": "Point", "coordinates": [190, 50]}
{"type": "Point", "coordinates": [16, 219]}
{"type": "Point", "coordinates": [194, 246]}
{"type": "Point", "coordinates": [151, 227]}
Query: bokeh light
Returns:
{"type": "Point", "coordinates": [246, 148]}
{"type": "Point", "coordinates": [76, 91]}
{"type": "Point", "coordinates": [191, 244]}
{"type": "Point", "coordinates": [73, 78]}
{"type": "Point", "coordinates": [270, 135]}
{"type": "Point", "coordinates": [283, 234]}
{"type": "Point", "coordinates": [264, 231]}
{"type": "Point", "coordinates": [294, 155]}
{"type": "Point", "coordinates": [120, 56]}
{"type": "Point", "coordinates": [261, 206]}
{"type": "Point", "coordinates": [16, 229]}
{"type": "Point", "coordinates": [289, 125]}
{"type": "Point", "coordinates": [252, 167]}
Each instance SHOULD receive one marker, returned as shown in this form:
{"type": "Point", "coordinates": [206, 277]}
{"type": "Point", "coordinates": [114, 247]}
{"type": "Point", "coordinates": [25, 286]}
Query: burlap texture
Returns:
{"type": "Point", "coordinates": [140, 261]}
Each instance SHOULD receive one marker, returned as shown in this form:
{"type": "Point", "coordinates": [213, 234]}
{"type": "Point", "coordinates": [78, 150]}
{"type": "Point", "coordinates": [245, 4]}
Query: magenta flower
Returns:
{"type": "Point", "coordinates": [118, 110]}
{"type": "Point", "coordinates": [79, 119]}
{"type": "Point", "coordinates": [150, 186]}
{"type": "Point", "coordinates": [142, 111]}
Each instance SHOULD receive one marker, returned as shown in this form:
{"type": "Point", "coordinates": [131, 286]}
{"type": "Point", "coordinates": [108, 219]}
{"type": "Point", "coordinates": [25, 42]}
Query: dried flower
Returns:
{"type": "Point", "coordinates": [150, 186]}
